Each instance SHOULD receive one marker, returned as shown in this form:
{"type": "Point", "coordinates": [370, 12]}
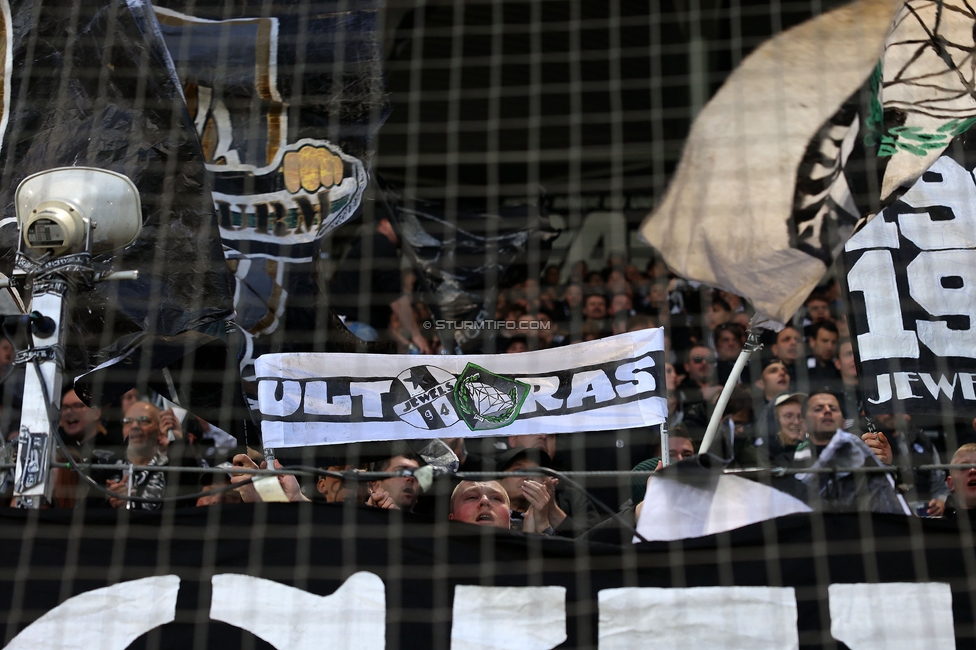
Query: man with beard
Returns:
{"type": "Point", "coordinates": [484, 503]}
{"type": "Point", "coordinates": [140, 427]}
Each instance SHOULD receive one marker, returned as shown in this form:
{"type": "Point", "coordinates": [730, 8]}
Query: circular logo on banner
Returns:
{"type": "Point", "coordinates": [424, 397]}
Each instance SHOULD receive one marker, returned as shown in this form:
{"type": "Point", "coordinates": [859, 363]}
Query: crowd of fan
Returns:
{"type": "Point", "coordinates": [788, 404]}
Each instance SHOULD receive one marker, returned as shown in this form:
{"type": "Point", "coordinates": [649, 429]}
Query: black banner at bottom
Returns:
{"type": "Point", "coordinates": [370, 578]}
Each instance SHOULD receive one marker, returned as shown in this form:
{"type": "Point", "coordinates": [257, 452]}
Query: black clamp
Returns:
{"type": "Point", "coordinates": [53, 353]}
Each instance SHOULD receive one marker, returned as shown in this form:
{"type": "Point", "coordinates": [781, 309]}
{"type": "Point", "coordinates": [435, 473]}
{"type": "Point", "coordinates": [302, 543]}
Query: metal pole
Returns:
{"type": "Point", "coordinates": [665, 445]}
{"type": "Point", "coordinates": [35, 445]}
{"type": "Point", "coordinates": [752, 345]}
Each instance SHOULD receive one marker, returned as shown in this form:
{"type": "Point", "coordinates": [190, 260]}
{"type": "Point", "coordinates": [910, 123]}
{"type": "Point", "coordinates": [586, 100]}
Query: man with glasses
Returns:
{"type": "Point", "coordinates": [140, 427]}
{"type": "Point", "coordinates": [699, 384]}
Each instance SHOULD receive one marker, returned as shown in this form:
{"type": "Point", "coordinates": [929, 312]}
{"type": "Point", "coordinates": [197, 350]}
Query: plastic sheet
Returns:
{"type": "Point", "coordinates": [287, 98]}
{"type": "Point", "coordinates": [462, 257]}
{"type": "Point", "coordinates": [90, 85]}
{"type": "Point", "coordinates": [850, 492]}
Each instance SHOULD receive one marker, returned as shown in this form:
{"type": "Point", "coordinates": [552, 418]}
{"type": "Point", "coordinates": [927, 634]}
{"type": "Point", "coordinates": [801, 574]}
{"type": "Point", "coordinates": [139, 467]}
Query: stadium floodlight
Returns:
{"type": "Point", "coordinates": [66, 216]}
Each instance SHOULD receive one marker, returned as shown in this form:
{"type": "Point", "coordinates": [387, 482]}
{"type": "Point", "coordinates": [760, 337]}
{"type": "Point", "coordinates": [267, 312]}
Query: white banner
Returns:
{"type": "Point", "coordinates": [321, 399]}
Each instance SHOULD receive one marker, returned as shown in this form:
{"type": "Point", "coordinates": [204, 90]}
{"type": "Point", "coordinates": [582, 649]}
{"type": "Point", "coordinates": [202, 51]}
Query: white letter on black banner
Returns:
{"type": "Point", "coordinates": [758, 618]}
{"type": "Point", "coordinates": [110, 618]}
{"type": "Point", "coordinates": [892, 615]}
{"type": "Point", "coordinates": [886, 338]}
{"type": "Point", "coordinates": [508, 618]}
{"type": "Point", "coordinates": [292, 619]}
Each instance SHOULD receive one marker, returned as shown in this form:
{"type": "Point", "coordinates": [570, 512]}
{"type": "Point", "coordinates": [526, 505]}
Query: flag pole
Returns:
{"type": "Point", "coordinates": [665, 445]}
{"type": "Point", "coordinates": [752, 345]}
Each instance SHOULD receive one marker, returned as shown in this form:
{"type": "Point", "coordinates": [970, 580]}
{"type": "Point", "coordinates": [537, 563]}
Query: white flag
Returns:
{"type": "Point", "coordinates": [725, 219]}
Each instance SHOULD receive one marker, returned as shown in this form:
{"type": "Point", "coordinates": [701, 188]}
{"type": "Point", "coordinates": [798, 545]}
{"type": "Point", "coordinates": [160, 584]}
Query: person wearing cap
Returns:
{"type": "Point", "coordinates": [530, 497]}
{"type": "Point", "coordinates": [788, 408]}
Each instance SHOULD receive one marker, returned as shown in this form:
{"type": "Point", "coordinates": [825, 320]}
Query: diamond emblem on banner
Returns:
{"type": "Point", "coordinates": [488, 401]}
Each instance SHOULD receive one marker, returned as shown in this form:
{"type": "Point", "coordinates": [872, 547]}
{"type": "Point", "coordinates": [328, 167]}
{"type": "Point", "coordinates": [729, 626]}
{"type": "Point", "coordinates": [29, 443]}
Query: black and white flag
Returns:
{"type": "Point", "coordinates": [827, 122]}
{"type": "Point", "coordinates": [286, 98]}
{"type": "Point", "coordinates": [317, 399]}
{"type": "Point", "coordinates": [911, 277]}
